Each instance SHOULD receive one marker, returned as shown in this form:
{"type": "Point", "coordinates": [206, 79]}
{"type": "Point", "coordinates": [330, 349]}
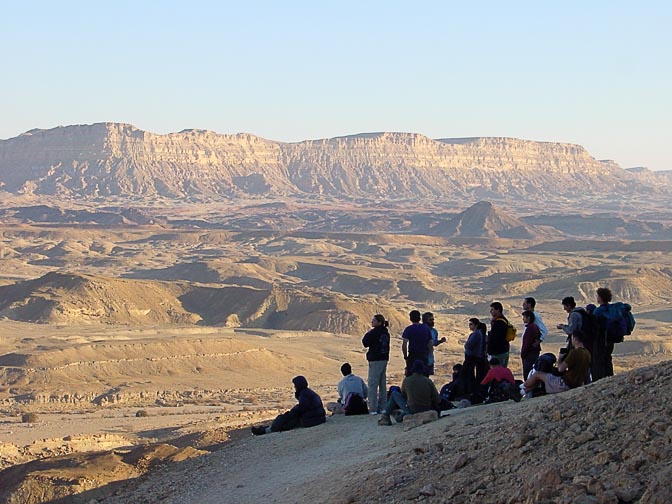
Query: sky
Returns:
{"type": "Point", "coordinates": [596, 73]}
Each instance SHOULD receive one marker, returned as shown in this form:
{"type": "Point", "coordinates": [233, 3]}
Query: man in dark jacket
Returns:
{"type": "Point", "coordinates": [497, 344]}
{"type": "Point", "coordinates": [307, 413]}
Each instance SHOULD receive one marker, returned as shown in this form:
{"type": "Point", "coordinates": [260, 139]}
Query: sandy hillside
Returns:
{"type": "Point", "coordinates": [608, 442]}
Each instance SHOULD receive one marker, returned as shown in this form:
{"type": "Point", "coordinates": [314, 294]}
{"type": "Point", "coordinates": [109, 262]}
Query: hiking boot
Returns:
{"type": "Point", "coordinates": [259, 430]}
{"type": "Point", "coordinates": [399, 416]}
{"type": "Point", "coordinates": [384, 420]}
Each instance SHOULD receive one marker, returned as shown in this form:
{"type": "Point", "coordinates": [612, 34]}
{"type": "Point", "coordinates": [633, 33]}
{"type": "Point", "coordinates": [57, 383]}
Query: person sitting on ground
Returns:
{"type": "Point", "coordinates": [418, 393]}
{"type": "Point", "coordinates": [309, 411]}
{"type": "Point", "coordinates": [574, 369]}
{"type": "Point", "coordinates": [352, 394]}
{"type": "Point", "coordinates": [546, 364]}
{"type": "Point", "coordinates": [531, 347]}
{"type": "Point", "coordinates": [456, 389]}
{"type": "Point", "coordinates": [500, 383]}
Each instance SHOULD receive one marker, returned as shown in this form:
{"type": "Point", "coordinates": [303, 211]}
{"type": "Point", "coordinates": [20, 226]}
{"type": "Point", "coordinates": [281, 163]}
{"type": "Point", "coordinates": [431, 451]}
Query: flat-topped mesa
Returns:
{"type": "Point", "coordinates": [108, 159]}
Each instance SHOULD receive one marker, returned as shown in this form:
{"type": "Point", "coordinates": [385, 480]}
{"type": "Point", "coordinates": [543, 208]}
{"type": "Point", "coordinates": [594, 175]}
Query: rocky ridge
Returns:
{"type": "Point", "coordinates": [111, 159]}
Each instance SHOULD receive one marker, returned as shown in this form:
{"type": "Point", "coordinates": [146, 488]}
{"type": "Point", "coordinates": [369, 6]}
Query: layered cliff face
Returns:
{"type": "Point", "coordinates": [110, 159]}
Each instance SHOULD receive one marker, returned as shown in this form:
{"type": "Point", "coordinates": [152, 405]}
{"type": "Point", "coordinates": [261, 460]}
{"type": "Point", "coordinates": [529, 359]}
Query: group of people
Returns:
{"type": "Point", "coordinates": [484, 375]}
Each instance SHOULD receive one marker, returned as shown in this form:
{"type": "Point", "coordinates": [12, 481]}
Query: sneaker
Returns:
{"type": "Point", "coordinates": [384, 420]}
{"type": "Point", "coordinates": [373, 412]}
{"type": "Point", "coordinates": [399, 416]}
{"type": "Point", "coordinates": [258, 431]}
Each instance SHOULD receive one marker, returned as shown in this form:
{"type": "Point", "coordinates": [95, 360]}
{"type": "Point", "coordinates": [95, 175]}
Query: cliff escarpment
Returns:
{"type": "Point", "coordinates": [110, 159]}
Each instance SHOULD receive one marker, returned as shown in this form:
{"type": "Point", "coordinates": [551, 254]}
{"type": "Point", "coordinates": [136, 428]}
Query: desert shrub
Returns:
{"type": "Point", "coordinates": [141, 413]}
{"type": "Point", "coordinates": [29, 417]}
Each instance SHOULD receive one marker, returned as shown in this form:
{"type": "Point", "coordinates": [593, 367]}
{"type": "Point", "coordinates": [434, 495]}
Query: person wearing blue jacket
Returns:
{"type": "Point", "coordinates": [309, 411]}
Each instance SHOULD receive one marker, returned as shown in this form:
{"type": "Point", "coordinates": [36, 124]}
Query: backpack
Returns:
{"type": "Point", "coordinates": [510, 330]}
{"type": "Point", "coordinates": [355, 405]}
{"type": "Point", "coordinates": [589, 327]}
{"type": "Point", "coordinates": [619, 321]}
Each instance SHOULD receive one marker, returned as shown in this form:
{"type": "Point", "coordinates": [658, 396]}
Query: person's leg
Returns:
{"type": "Point", "coordinates": [284, 422]}
{"type": "Point", "coordinates": [503, 358]}
{"type": "Point", "coordinates": [382, 385]}
{"type": "Point", "coordinates": [373, 383]}
{"type": "Point", "coordinates": [608, 361]}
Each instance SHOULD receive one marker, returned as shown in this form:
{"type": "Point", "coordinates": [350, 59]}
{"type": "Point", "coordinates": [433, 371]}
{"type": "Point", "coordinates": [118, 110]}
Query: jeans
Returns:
{"type": "Point", "coordinates": [377, 384]}
{"type": "Point", "coordinates": [397, 401]}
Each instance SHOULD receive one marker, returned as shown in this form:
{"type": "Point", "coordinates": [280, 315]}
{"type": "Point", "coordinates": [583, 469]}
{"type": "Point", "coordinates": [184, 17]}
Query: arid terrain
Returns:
{"type": "Point", "coordinates": [149, 312]}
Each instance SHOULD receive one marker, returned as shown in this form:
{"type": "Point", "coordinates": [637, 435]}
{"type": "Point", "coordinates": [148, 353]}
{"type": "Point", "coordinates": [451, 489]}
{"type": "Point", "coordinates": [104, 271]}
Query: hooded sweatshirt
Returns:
{"type": "Point", "coordinates": [310, 409]}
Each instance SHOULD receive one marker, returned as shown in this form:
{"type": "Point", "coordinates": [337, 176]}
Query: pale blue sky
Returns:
{"type": "Point", "coordinates": [594, 73]}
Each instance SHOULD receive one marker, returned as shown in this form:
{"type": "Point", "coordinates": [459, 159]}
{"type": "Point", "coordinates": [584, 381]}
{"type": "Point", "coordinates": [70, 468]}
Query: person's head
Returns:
{"type": "Point", "coordinates": [483, 328]}
{"type": "Point", "coordinates": [414, 316]}
{"type": "Point", "coordinates": [474, 324]}
{"type": "Point", "coordinates": [457, 369]}
{"type": "Point", "coordinates": [300, 383]}
{"type": "Point", "coordinates": [568, 303]}
{"type": "Point", "coordinates": [529, 303]}
{"type": "Point", "coordinates": [494, 361]}
{"type": "Point", "coordinates": [346, 369]}
{"type": "Point", "coordinates": [603, 296]}
{"type": "Point", "coordinates": [528, 316]}
{"type": "Point", "coordinates": [590, 308]}
{"type": "Point", "coordinates": [428, 318]}
{"type": "Point", "coordinates": [378, 320]}
{"type": "Point", "coordinates": [578, 338]}
{"type": "Point", "coordinates": [496, 309]}
{"type": "Point", "coordinates": [418, 367]}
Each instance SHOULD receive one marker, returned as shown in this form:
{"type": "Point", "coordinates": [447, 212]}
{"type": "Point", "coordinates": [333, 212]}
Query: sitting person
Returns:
{"type": "Point", "coordinates": [352, 394]}
{"type": "Point", "coordinates": [458, 388]}
{"type": "Point", "coordinates": [545, 364]}
{"type": "Point", "coordinates": [573, 369]}
{"type": "Point", "coordinates": [500, 382]}
{"type": "Point", "coordinates": [418, 393]}
{"type": "Point", "coordinates": [307, 413]}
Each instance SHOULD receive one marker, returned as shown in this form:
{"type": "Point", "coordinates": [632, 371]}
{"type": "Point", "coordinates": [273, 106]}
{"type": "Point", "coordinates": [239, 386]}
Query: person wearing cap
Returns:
{"type": "Point", "coordinates": [309, 411]}
{"type": "Point", "coordinates": [418, 393]}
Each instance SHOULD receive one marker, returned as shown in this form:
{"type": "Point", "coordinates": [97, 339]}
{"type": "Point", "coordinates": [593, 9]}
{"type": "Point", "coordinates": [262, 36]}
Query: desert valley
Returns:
{"type": "Point", "coordinates": [159, 292]}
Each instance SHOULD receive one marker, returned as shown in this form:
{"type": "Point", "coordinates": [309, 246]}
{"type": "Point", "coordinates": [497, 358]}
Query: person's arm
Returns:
{"type": "Point", "coordinates": [436, 398]}
{"type": "Point", "coordinates": [404, 348]}
{"type": "Point", "coordinates": [341, 387]}
{"type": "Point", "coordinates": [542, 327]}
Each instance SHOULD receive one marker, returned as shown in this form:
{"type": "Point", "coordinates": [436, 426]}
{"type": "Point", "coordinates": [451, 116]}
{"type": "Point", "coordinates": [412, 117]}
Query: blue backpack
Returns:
{"type": "Point", "coordinates": [619, 321]}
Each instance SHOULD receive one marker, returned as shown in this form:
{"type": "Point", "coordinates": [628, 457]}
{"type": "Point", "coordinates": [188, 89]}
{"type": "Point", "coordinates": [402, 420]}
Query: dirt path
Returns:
{"type": "Point", "coordinates": [279, 467]}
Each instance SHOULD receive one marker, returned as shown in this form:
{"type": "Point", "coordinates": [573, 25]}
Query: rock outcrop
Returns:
{"type": "Point", "coordinates": [110, 159]}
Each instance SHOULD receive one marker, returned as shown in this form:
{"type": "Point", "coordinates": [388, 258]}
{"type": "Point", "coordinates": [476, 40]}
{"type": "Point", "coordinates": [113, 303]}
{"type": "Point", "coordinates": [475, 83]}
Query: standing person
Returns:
{"type": "Point", "coordinates": [307, 413]}
{"type": "Point", "coordinates": [582, 319]}
{"type": "Point", "coordinates": [428, 320]}
{"type": "Point", "coordinates": [497, 345]}
{"type": "Point", "coordinates": [377, 340]}
{"type": "Point", "coordinates": [531, 347]}
{"type": "Point", "coordinates": [603, 297]}
{"type": "Point", "coordinates": [529, 303]}
{"type": "Point", "coordinates": [416, 342]}
{"type": "Point", "coordinates": [475, 364]}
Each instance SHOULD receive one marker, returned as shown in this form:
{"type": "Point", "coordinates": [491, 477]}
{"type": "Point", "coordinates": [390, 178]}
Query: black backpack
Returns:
{"type": "Point", "coordinates": [590, 327]}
